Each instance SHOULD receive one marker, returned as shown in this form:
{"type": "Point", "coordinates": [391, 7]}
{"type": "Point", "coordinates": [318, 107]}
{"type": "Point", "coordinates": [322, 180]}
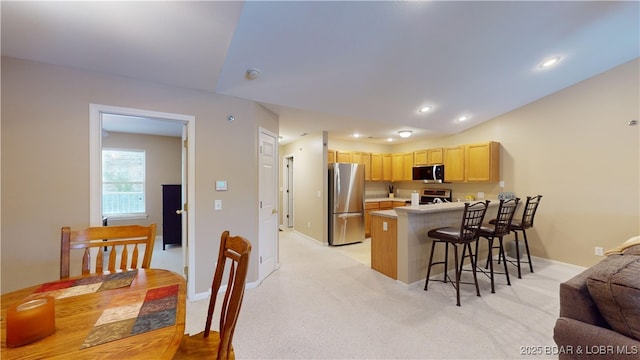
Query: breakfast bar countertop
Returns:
{"type": "Point", "coordinates": [441, 207]}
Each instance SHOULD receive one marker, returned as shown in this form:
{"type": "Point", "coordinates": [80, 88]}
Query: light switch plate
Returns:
{"type": "Point", "coordinates": [218, 205]}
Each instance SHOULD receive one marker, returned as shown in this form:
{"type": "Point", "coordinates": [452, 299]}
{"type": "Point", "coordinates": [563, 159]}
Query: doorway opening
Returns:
{"type": "Point", "coordinates": [287, 191]}
{"type": "Point", "coordinates": [105, 119]}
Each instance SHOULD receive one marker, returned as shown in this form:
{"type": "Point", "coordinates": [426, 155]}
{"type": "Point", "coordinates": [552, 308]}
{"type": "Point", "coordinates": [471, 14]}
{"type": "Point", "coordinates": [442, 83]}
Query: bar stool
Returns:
{"type": "Point", "coordinates": [464, 235]}
{"type": "Point", "coordinates": [530, 208]}
{"type": "Point", "coordinates": [497, 228]}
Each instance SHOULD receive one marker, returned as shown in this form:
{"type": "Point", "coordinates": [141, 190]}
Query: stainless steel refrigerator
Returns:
{"type": "Point", "coordinates": [346, 203]}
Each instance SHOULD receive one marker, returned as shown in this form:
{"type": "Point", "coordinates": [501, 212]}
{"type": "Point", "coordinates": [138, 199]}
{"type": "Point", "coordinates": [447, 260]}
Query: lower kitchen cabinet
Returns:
{"type": "Point", "coordinates": [384, 245]}
{"type": "Point", "coordinates": [368, 208]}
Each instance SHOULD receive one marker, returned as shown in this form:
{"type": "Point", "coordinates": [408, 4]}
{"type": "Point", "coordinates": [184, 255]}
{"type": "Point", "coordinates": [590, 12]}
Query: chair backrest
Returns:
{"type": "Point", "coordinates": [115, 239]}
{"type": "Point", "coordinates": [234, 250]}
{"type": "Point", "coordinates": [472, 218]}
{"type": "Point", "coordinates": [506, 210]}
{"type": "Point", "coordinates": [530, 208]}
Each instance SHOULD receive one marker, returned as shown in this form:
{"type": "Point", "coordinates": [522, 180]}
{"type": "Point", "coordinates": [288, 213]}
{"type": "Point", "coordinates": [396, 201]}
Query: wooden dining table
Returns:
{"type": "Point", "coordinates": [76, 320]}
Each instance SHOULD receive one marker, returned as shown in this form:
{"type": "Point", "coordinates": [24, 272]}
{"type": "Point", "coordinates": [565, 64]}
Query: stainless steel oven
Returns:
{"type": "Point", "coordinates": [429, 196]}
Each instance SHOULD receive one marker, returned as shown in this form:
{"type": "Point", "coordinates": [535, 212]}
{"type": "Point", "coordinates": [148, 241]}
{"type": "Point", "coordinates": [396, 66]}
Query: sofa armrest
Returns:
{"type": "Point", "coordinates": [579, 340]}
{"type": "Point", "coordinates": [576, 302]}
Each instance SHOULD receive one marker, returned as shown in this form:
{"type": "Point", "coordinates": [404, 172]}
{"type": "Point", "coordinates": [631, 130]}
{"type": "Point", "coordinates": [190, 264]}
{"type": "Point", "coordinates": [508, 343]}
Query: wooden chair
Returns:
{"type": "Point", "coordinates": [213, 344]}
{"type": "Point", "coordinates": [114, 239]}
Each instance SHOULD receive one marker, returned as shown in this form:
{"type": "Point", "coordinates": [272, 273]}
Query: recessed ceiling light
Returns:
{"type": "Point", "coordinates": [549, 62]}
{"type": "Point", "coordinates": [425, 109]}
{"type": "Point", "coordinates": [463, 118]}
{"type": "Point", "coordinates": [356, 135]}
{"type": "Point", "coordinates": [389, 139]}
{"type": "Point", "coordinates": [405, 133]}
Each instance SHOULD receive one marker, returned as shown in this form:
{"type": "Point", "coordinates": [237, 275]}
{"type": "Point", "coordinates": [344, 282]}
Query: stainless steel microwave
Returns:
{"type": "Point", "coordinates": [429, 173]}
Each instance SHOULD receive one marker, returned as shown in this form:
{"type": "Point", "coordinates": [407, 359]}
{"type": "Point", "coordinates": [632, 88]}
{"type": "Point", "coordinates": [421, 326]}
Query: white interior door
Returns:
{"type": "Point", "coordinates": [268, 212]}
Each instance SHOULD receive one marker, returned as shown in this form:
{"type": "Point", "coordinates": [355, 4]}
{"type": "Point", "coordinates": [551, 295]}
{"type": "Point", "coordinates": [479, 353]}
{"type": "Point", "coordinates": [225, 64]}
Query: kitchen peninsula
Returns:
{"type": "Point", "coordinates": [399, 244]}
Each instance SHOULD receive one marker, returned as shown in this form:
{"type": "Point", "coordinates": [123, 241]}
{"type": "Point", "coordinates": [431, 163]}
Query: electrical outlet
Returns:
{"type": "Point", "coordinates": [385, 227]}
{"type": "Point", "coordinates": [480, 195]}
{"type": "Point", "coordinates": [599, 251]}
{"type": "Point", "coordinates": [218, 205]}
{"type": "Point", "coordinates": [309, 224]}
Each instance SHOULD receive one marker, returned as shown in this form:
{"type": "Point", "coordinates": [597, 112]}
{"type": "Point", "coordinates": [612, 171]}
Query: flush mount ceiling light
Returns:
{"type": "Point", "coordinates": [252, 74]}
{"type": "Point", "coordinates": [425, 109]}
{"type": "Point", "coordinates": [549, 62]}
{"type": "Point", "coordinates": [405, 133]}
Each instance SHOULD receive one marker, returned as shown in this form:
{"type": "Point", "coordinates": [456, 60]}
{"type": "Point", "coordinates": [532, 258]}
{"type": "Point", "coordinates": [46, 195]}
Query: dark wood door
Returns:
{"type": "Point", "coordinates": [171, 221]}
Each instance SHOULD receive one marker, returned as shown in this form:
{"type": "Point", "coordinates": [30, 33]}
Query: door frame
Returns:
{"type": "Point", "coordinates": [287, 197]}
{"type": "Point", "coordinates": [95, 171]}
{"type": "Point", "coordinates": [262, 243]}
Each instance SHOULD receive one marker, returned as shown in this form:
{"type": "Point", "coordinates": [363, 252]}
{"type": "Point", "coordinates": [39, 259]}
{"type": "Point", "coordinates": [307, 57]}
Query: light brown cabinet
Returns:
{"type": "Point", "coordinates": [380, 167]}
{"type": "Point", "coordinates": [482, 162]}
{"type": "Point", "coordinates": [428, 157]}
{"type": "Point", "coordinates": [343, 156]}
{"type": "Point", "coordinates": [454, 164]}
{"type": "Point", "coordinates": [420, 158]}
{"type": "Point", "coordinates": [331, 156]}
{"type": "Point", "coordinates": [384, 245]}
{"type": "Point", "coordinates": [402, 167]}
{"type": "Point", "coordinates": [407, 166]}
{"type": "Point", "coordinates": [368, 208]}
{"type": "Point", "coordinates": [397, 167]}
{"type": "Point", "coordinates": [363, 158]}
{"type": "Point", "coordinates": [435, 156]}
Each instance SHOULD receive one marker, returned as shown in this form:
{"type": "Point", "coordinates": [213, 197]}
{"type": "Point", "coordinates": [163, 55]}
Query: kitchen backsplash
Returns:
{"type": "Point", "coordinates": [459, 191]}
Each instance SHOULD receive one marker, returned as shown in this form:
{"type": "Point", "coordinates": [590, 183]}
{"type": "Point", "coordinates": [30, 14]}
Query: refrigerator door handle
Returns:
{"type": "Point", "coordinates": [336, 188]}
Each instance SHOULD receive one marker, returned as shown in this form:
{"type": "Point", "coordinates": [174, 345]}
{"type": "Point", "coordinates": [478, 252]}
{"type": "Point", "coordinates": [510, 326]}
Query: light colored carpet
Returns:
{"type": "Point", "coordinates": [322, 303]}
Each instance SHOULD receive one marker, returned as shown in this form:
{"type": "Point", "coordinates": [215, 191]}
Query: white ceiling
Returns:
{"type": "Point", "coordinates": [339, 66]}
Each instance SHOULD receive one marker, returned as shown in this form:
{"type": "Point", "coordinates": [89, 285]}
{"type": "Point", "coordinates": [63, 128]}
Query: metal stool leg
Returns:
{"type": "Point", "coordinates": [526, 245]}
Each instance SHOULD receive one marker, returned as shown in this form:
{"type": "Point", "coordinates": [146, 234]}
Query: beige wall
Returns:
{"type": "Point", "coordinates": [309, 178]}
{"type": "Point", "coordinates": [163, 157]}
{"type": "Point", "coordinates": [45, 163]}
{"type": "Point", "coordinates": [573, 147]}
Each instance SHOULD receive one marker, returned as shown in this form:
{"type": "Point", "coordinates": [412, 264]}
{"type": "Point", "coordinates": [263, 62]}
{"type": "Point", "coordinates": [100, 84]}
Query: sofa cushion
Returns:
{"type": "Point", "coordinates": [614, 286]}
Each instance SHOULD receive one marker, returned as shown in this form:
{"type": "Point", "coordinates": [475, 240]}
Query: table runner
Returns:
{"type": "Point", "coordinates": [66, 288]}
{"type": "Point", "coordinates": [132, 314]}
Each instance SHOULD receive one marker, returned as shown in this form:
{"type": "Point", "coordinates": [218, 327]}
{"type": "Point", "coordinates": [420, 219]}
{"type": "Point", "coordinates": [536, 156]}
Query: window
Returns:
{"type": "Point", "coordinates": [123, 182]}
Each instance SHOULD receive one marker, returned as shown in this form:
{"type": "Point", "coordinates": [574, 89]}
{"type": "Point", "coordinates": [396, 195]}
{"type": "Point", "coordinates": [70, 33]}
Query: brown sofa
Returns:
{"type": "Point", "coordinates": [600, 309]}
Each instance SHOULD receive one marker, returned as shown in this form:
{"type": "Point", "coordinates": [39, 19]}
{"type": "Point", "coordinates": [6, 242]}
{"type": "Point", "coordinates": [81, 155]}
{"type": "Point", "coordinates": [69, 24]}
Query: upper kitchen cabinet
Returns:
{"type": "Point", "coordinates": [407, 166]}
{"type": "Point", "coordinates": [363, 158]}
{"type": "Point", "coordinates": [402, 167]}
{"type": "Point", "coordinates": [343, 156]}
{"type": "Point", "coordinates": [331, 156]}
{"type": "Point", "coordinates": [435, 156]}
{"type": "Point", "coordinates": [482, 162]}
{"type": "Point", "coordinates": [380, 167]}
{"type": "Point", "coordinates": [428, 157]}
{"type": "Point", "coordinates": [396, 167]}
{"type": "Point", "coordinates": [454, 164]}
{"type": "Point", "coordinates": [420, 158]}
